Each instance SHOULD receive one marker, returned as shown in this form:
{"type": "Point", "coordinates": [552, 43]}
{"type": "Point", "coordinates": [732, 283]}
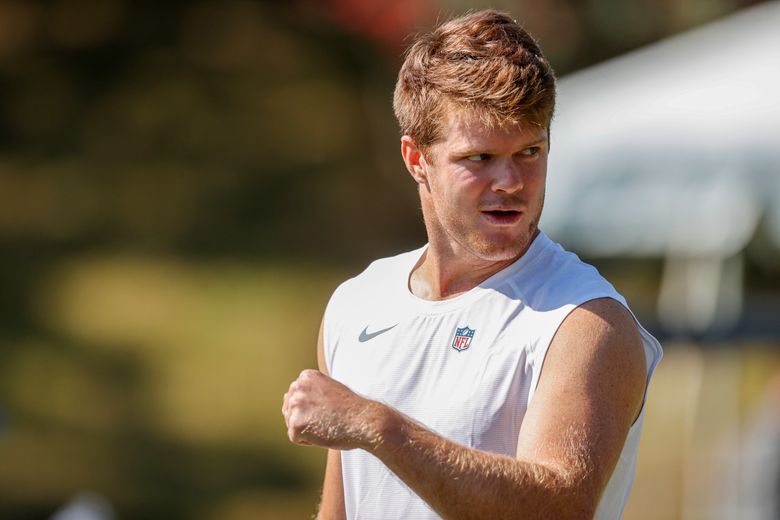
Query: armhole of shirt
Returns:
{"type": "Point", "coordinates": [328, 349]}
{"type": "Point", "coordinates": [653, 355]}
{"type": "Point", "coordinates": [650, 346]}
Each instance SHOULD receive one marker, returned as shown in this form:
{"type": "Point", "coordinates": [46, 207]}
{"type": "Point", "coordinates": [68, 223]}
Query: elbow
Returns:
{"type": "Point", "coordinates": [578, 510]}
{"type": "Point", "coordinates": [576, 504]}
{"type": "Point", "coordinates": [570, 497]}
{"type": "Point", "coordinates": [576, 493]}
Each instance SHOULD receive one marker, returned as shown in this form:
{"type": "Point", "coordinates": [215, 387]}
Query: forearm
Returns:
{"type": "Point", "coordinates": [456, 481]}
{"type": "Point", "coordinates": [459, 482]}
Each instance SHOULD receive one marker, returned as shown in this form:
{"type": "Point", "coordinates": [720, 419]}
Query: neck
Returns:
{"type": "Point", "coordinates": [446, 272]}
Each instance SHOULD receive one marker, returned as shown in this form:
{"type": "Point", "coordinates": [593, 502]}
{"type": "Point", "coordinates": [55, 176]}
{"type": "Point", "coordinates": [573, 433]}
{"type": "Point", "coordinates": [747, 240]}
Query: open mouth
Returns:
{"type": "Point", "coordinates": [502, 216]}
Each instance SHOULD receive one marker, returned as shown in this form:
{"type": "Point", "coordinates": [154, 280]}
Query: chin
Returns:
{"type": "Point", "coordinates": [500, 253]}
{"type": "Point", "coordinates": [504, 249]}
{"type": "Point", "coordinates": [504, 255]}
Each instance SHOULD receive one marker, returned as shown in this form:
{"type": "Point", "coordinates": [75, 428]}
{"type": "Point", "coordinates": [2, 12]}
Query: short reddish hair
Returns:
{"type": "Point", "coordinates": [483, 62]}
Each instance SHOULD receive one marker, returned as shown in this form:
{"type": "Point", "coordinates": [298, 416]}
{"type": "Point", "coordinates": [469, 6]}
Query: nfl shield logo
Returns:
{"type": "Point", "coordinates": [462, 339]}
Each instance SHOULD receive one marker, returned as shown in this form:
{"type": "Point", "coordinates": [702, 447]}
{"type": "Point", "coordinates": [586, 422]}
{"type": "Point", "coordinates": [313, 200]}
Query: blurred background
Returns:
{"type": "Point", "coordinates": [182, 185]}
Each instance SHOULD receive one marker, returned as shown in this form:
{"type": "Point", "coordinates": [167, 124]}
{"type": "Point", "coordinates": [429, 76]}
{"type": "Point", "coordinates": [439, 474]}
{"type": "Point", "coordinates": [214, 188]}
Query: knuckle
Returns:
{"type": "Point", "coordinates": [294, 418]}
{"type": "Point", "coordinates": [293, 403]}
{"type": "Point", "coordinates": [307, 373]}
{"type": "Point", "coordinates": [296, 432]}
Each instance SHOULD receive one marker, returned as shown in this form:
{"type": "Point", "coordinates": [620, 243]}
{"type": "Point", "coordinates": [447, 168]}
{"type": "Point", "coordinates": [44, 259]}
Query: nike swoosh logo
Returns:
{"type": "Point", "coordinates": [365, 335]}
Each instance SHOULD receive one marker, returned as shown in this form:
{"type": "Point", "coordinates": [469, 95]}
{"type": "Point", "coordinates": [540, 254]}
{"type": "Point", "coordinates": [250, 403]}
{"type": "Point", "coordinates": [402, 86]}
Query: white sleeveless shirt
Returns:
{"type": "Point", "coordinates": [465, 367]}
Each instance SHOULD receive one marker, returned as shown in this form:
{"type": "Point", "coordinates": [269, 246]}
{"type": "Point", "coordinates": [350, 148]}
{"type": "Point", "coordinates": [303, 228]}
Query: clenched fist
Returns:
{"type": "Point", "coordinates": [321, 411]}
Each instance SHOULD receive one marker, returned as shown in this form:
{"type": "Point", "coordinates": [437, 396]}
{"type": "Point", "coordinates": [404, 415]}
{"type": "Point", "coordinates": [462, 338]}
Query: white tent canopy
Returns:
{"type": "Point", "coordinates": [673, 151]}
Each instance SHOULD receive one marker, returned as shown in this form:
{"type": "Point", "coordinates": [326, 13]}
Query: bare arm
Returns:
{"type": "Point", "coordinates": [588, 395]}
{"type": "Point", "coordinates": [332, 502]}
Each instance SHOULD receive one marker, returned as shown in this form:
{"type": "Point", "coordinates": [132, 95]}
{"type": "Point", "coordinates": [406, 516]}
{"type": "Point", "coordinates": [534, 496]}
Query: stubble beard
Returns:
{"type": "Point", "coordinates": [512, 249]}
{"type": "Point", "coordinates": [492, 249]}
{"type": "Point", "coordinates": [501, 252]}
{"type": "Point", "coordinates": [478, 244]}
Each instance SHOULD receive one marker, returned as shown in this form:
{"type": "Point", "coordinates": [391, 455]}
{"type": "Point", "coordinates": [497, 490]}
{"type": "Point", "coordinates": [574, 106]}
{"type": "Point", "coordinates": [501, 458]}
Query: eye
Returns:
{"type": "Point", "coordinates": [530, 152]}
{"type": "Point", "coordinates": [478, 157]}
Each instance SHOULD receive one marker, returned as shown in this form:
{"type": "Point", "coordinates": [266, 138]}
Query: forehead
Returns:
{"type": "Point", "coordinates": [467, 129]}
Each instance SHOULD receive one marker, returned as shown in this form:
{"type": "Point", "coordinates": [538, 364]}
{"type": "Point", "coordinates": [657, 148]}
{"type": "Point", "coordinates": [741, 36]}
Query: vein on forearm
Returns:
{"type": "Point", "coordinates": [460, 482]}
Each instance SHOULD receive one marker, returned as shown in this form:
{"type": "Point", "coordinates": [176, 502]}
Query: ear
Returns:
{"type": "Point", "coordinates": [414, 160]}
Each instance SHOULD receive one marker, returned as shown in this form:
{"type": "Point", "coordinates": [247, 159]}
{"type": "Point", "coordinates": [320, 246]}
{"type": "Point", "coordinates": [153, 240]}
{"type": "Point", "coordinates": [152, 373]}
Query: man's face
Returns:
{"type": "Point", "coordinates": [483, 188]}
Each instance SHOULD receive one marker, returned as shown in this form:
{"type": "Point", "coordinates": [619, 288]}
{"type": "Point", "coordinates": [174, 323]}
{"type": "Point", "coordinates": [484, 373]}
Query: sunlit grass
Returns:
{"type": "Point", "coordinates": [218, 344]}
{"type": "Point", "coordinates": [134, 354]}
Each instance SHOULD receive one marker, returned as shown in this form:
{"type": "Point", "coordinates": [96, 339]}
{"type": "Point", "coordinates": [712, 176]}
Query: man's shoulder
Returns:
{"type": "Point", "coordinates": [380, 276]}
{"type": "Point", "coordinates": [386, 269]}
{"type": "Point", "coordinates": [403, 261]}
{"type": "Point", "coordinates": [558, 277]}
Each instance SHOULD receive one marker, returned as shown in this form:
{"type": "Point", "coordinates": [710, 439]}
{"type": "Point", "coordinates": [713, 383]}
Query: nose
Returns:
{"type": "Point", "coordinates": [508, 177]}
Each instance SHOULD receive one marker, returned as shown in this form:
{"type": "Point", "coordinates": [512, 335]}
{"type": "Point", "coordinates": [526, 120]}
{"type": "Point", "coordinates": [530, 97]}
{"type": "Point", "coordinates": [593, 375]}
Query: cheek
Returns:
{"type": "Point", "coordinates": [535, 182]}
{"type": "Point", "coordinates": [539, 184]}
{"type": "Point", "coordinates": [453, 186]}
{"type": "Point", "coordinates": [469, 185]}
{"type": "Point", "coordinates": [541, 175]}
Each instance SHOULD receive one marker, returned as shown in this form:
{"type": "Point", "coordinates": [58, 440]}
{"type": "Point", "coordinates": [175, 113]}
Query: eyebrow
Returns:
{"type": "Point", "coordinates": [474, 150]}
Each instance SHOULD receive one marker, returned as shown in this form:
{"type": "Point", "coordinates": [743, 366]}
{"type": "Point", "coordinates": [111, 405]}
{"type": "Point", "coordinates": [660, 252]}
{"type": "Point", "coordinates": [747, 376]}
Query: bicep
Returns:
{"type": "Point", "coordinates": [589, 393]}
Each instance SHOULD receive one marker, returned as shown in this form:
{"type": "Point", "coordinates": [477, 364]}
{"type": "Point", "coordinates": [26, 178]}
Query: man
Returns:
{"type": "Point", "coordinates": [489, 374]}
